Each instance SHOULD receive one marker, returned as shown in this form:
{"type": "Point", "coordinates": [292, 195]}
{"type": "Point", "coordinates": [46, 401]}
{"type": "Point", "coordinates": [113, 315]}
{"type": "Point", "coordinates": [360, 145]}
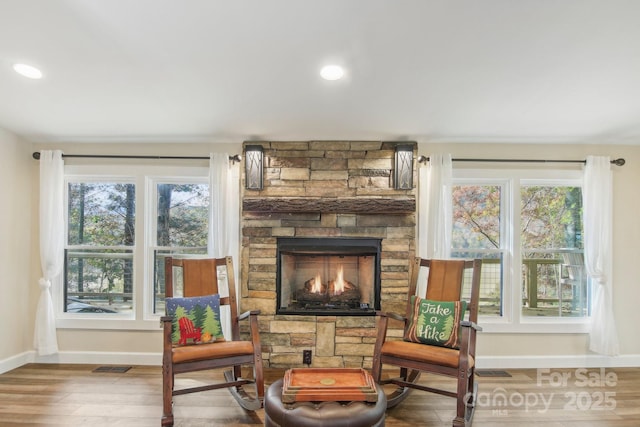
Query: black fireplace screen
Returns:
{"type": "Point", "coordinates": [328, 276]}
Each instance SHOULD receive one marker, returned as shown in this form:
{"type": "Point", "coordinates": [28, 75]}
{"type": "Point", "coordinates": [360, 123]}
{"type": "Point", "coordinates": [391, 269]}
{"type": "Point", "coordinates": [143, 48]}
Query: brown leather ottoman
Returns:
{"type": "Point", "coordinates": [329, 414]}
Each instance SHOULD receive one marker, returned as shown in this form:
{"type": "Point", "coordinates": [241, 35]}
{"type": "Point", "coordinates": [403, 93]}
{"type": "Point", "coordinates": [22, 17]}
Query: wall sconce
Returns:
{"type": "Point", "coordinates": [403, 174]}
{"type": "Point", "coordinates": [253, 167]}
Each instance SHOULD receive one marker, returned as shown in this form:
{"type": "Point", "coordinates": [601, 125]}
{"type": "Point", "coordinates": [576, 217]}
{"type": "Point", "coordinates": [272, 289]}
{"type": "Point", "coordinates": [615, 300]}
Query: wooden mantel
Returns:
{"type": "Point", "coordinates": [382, 205]}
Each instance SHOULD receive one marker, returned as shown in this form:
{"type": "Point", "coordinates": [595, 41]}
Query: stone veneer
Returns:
{"type": "Point", "coordinates": [325, 189]}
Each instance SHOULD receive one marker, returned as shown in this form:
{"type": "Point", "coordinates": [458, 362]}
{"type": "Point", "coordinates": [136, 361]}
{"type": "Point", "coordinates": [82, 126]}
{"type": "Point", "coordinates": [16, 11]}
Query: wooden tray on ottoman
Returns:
{"type": "Point", "coordinates": [328, 384]}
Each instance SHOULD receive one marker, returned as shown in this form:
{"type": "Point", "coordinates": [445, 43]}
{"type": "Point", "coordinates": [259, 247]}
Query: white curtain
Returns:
{"type": "Point", "coordinates": [598, 208]}
{"type": "Point", "coordinates": [51, 248]}
{"type": "Point", "coordinates": [224, 219]}
{"type": "Point", "coordinates": [435, 210]}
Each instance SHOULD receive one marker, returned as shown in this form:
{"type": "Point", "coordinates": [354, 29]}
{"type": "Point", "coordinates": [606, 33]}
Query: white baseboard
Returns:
{"type": "Point", "coordinates": [16, 361]}
{"type": "Point", "coordinates": [84, 357]}
{"type": "Point", "coordinates": [533, 362]}
{"type": "Point", "coordinates": [102, 358]}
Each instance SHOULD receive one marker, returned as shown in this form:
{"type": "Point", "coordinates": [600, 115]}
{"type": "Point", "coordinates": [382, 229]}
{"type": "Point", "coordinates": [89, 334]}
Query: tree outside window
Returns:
{"type": "Point", "coordinates": [182, 227]}
{"type": "Point", "coordinates": [476, 233]}
{"type": "Point", "coordinates": [552, 281]}
{"type": "Point", "coordinates": [99, 251]}
{"type": "Point", "coordinates": [104, 228]}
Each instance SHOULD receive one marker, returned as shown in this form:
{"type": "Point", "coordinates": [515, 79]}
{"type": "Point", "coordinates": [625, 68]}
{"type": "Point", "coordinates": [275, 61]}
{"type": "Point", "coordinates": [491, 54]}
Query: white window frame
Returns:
{"type": "Point", "coordinates": [142, 317]}
{"type": "Point", "coordinates": [512, 320]}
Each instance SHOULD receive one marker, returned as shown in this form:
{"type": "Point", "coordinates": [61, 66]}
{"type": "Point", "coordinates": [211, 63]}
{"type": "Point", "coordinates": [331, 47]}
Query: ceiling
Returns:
{"type": "Point", "coordinates": [227, 71]}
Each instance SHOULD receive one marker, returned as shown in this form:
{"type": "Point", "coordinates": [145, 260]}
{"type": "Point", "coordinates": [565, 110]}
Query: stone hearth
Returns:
{"type": "Point", "coordinates": [325, 189]}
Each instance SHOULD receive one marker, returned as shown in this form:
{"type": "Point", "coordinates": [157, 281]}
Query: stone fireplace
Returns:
{"type": "Point", "coordinates": [328, 192]}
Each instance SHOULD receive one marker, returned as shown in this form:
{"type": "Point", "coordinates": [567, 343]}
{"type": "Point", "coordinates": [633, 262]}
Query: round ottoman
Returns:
{"type": "Point", "coordinates": [329, 414]}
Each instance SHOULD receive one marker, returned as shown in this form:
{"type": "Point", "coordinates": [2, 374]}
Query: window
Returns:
{"type": "Point", "coordinates": [119, 229]}
{"type": "Point", "coordinates": [98, 273]}
{"type": "Point", "coordinates": [477, 229]}
{"type": "Point", "coordinates": [528, 230]}
{"type": "Point", "coordinates": [553, 279]}
{"type": "Point", "coordinates": [181, 227]}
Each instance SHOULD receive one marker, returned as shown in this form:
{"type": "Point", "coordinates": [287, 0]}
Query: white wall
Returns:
{"type": "Point", "coordinates": [495, 350]}
{"type": "Point", "coordinates": [16, 287]}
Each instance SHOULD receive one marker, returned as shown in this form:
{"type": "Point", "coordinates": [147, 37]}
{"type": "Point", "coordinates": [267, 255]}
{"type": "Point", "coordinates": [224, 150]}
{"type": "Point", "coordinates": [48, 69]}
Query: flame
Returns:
{"type": "Point", "coordinates": [338, 287]}
{"type": "Point", "coordinates": [316, 288]}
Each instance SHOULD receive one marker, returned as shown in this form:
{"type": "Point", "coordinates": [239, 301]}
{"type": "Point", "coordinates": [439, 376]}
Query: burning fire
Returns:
{"type": "Point", "coordinates": [338, 288]}
{"type": "Point", "coordinates": [338, 284]}
{"type": "Point", "coordinates": [316, 288]}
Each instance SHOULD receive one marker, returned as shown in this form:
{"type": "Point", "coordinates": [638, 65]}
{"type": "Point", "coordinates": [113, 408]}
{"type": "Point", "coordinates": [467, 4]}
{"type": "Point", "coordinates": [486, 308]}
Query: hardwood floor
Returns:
{"type": "Point", "coordinates": [73, 395]}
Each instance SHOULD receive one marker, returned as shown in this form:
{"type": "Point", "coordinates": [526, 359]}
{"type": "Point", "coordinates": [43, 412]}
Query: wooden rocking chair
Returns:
{"type": "Point", "coordinates": [200, 278]}
{"type": "Point", "coordinates": [445, 282]}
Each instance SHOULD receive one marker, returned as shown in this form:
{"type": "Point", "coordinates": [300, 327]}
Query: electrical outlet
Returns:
{"type": "Point", "coordinates": [306, 357]}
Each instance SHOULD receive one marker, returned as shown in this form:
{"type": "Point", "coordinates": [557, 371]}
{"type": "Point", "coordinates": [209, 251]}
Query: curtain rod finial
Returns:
{"type": "Point", "coordinates": [36, 155]}
{"type": "Point", "coordinates": [619, 162]}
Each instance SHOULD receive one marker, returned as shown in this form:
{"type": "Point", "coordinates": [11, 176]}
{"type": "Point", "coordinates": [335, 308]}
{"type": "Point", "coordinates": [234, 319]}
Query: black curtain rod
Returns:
{"type": "Point", "coordinates": [234, 158]}
{"type": "Point", "coordinates": [617, 162]}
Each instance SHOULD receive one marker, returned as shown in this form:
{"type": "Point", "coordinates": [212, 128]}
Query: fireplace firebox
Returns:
{"type": "Point", "coordinates": [328, 276]}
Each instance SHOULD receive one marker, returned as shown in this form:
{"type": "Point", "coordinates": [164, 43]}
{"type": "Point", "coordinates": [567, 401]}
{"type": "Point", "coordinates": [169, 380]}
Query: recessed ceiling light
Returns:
{"type": "Point", "coordinates": [332, 72]}
{"type": "Point", "coordinates": [28, 71]}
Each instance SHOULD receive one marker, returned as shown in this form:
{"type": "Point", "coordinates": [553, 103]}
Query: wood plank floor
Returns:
{"type": "Point", "coordinates": [73, 395]}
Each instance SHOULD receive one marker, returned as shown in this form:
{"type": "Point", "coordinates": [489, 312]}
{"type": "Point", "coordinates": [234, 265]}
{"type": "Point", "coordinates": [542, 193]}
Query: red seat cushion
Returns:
{"type": "Point", "coordinates": [211, 351]}
{"type": "Point", "coordinates": [423, 353]}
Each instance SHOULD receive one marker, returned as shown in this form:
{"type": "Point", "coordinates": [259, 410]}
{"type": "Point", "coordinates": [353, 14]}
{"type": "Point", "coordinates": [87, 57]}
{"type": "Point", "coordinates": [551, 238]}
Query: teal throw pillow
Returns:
{"type": "Point", "coordinates": [435, 322]}
{"type": "Point", "coordinates": [196, 320]}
